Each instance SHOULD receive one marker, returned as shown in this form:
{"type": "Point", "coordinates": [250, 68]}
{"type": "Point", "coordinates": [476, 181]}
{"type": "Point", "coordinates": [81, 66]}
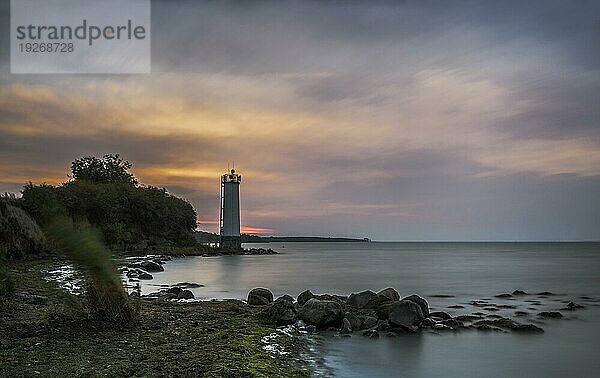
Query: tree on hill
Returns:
{"type": "Point", "coordinates": [105, 194]}
{"type": "Point", "coordinates": [108, 169]}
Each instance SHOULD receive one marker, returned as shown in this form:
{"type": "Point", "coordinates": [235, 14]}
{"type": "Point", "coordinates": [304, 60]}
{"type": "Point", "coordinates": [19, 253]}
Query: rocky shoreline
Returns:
{"type": "Point", "coordinates": [387, 313]}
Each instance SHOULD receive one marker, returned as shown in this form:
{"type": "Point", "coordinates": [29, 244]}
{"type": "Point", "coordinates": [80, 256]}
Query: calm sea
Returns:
{"type": "Point", "coordinates": [467, 271]}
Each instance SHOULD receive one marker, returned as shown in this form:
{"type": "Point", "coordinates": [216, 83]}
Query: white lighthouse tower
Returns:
{"type": "Point", "coordinates": [230, 210]}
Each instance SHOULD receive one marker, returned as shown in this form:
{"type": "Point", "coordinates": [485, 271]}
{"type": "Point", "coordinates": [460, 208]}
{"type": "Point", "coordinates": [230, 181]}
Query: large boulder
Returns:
{"type": "Point", "coordinates": [151, 266]}
{"type": "Point", "coordinates": [383, 310]}
{"type": "Point", "coordinates": [354, 320]}
{"type": "Point", "coordinates": [406, 314]}
{"type": "Point", "coordinates": [286, 297]}
{"type": "Point", "coordinates": [346, 327]}
{"type": "Point", "coordinates": [389, 294]}
{"type": "Point", "coordinates": [260, 296]}
{"type": "Point", "coordinates": [185, 294]}
{"type": "Point", "coordinates": [304, 297]}
{"type": "Point", "coordinates": [279, 313]}
{"type": "Point", "coordinates": [421, 302]}
{"type": "Point", "coordinates": [174, 290]}
{"type": "Point", "coordinates": [332, 297]}
{"type": "Point", "coordinates": [369, 322]}
{"type": "Point", "coordinates": [364, 299]}
{"type": "Point", "coordinates": [321, 313]}
{"type": "Point", "coordinates": [440, 315]}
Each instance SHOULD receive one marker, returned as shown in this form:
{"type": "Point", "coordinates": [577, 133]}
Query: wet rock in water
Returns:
{"type": "Point", "coordinates": [510, 324]}
{"type": "Point", "coordinates": [304, 297]}
{"type": "Point", "coordinates": [354, 320]}
{"type": "Point", "coordinates": [550, 314]}
{"type": "Point", "coordinates": [407, 314]}
{"type": "Point", "coordinates": [364, 299]}
{"type": "Point", "coordinates": [519, 292]}
{"type": "Point", "coordinates": [487, 328]}
{"type": "Point", "coordinates": [571, 306]}
{"type": "Point", "coordinates": [419, 301]}
{"type": "Point", "coordinates": [346, 327]}
{"type": "Point", "coordinates": [151, 266]}
{"type": "Point", "coordinates": [311, 328]}
{"type": "Point", "coordinates": [161, 296]}
{"type": "Point", "coordinates": [428, 322]}
{"type": "Point", "coordinates": [506, 306]}
{"type": "Point", "coordinates": [545, 293]}
{"type": "Point", "coordinates": [389, 294]}
{"type": "Point", "coordinates": [456, 306]}
{"type": "Point", "coordinates": [185, 294]}
{"type": "Point", "coordinates": [188, 285]}
{"type": "Point", "coordinates": [505, 295]}
{"type": "Point", "coordinates": [144, 276]}
{"type": "Point", "coordinates": [369, 322]}
{"type": "Point", "coordinates": [441, 296]}
{"type": "Point", "coordinates": [453, 323]}
{"type": "Point", "coordinates": [286, 297]}
{"type": "Point", "coordinates": [174, 290]}
{"type": "Point", "coordinates": [371, 334]}
{"type": "Point", "coordinates": [521, 313]}
{"type": "Point", "coordinates": [440, 315]}
{"type": "Point", "coordinates": [442, 327]}
{"type": "Point", "coordinates": [469, 318]}
{"type": "Point", "coordinates": [278, 313]}
{"type": "Point", "coordinates": [260, 297]}
{"type": "Point", "coordinates": [321, 313]}
{"type": "Point", "coordinates": [527, 328]}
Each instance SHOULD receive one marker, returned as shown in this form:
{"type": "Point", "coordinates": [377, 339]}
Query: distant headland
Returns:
{"type": "Point", "coordinates": [210, 237]}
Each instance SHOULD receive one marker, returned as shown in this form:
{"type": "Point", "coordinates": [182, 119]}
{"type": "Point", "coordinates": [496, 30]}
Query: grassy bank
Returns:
{"type": "Point", "coordinates": [44, 334]}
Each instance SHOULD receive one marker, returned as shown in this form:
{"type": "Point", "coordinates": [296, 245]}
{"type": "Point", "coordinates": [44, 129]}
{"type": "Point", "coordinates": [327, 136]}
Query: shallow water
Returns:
{"type": "Point", "coordinates": [468, 271]}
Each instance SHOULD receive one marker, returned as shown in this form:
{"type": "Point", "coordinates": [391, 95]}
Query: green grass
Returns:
{"type": "Point", "coordinates": [7, 285]}
{"type": "Point", "coordinates": [106, 298]}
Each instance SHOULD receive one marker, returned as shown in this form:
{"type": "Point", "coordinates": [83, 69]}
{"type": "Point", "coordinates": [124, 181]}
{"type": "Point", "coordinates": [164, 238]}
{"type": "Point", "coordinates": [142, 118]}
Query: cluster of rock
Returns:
{"type": "Point", "coordinates": [142, 269]}
{"type": "Point", "coordinates": [370, 313]}
{"type": "Point", "coordinates": [176, 292]}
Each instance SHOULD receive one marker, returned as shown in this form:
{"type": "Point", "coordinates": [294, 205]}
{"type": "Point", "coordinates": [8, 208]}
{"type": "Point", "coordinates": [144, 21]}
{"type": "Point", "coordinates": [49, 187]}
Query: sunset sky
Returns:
{"type": "Point", "coordinates": [412, 120]}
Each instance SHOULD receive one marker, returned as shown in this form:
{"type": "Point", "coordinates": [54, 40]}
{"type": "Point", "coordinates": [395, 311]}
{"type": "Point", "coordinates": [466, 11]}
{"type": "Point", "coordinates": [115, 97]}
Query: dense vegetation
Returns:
{"type": "Point", "coordinates": [20, 235]}
{"type": "Point", "coordinates": [103, 193]}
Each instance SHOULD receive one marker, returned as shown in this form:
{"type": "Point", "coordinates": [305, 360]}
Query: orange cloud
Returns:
{"type": "Point", "coordinates": [256, 230]}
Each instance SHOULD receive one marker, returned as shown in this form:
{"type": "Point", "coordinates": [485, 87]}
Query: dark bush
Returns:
{"type": "Point", "coordinates": [107, 196]}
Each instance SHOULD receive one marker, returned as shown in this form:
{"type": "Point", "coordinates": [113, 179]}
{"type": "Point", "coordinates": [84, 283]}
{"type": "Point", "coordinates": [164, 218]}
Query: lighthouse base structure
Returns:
{"type": "Point", "coordinates": [231, 242]}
